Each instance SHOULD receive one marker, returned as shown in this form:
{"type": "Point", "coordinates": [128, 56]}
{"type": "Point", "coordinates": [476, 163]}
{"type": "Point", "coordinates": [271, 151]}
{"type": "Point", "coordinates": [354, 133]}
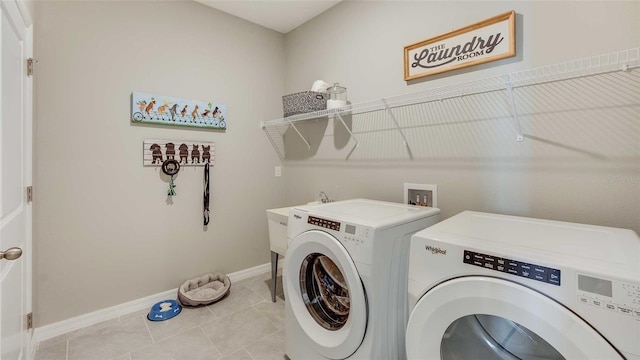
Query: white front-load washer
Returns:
{"type": "Point", "coordinates": [486, 286]}
{"type": "Point", "coordinates": [345, 278]}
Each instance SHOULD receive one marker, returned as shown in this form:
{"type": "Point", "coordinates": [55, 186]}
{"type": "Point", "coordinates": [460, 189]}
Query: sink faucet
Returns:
{"type": "Point", "coordinates": [324, 198]}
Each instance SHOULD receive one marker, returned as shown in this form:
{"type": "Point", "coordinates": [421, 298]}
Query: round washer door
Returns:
{"type": "Point", "coordinates": [542, 327]}
{"type": "Point", "coordinates": [325, 294]}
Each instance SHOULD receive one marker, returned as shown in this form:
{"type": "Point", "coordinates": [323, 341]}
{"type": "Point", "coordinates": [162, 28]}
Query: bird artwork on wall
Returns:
{"type": "Point", "coordinates": [176, 111]}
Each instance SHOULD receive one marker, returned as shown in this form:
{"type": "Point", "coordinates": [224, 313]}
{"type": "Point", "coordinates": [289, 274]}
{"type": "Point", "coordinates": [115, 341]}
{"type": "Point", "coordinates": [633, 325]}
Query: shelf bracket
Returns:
{"type": "Point", "coordinates": [347, 128]}
{"type": "Point", "coordinates": [300, 134]}
{"type": "Point", "coordinates": [395, 121]}
{"type": "Point", "coordinates": [516, 119]}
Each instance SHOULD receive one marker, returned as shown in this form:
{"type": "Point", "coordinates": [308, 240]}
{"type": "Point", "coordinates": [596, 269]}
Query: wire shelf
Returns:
{"type": "Point", "coordinates": [623, 60]}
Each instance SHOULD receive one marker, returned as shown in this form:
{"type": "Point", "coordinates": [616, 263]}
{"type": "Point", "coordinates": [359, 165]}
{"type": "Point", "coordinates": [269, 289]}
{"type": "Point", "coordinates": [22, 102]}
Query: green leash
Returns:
{"type": "Point", "coordinates": [171, 167]}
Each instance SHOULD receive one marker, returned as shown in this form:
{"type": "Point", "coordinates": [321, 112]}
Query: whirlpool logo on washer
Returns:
{"type": "Point", "coordinates": [435, 250]}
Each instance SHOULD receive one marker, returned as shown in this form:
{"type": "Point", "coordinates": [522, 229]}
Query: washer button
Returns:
{"type": "Point", "coordinates": [625, 310]}
{"type": "Point", "coordinates": [584, 300]}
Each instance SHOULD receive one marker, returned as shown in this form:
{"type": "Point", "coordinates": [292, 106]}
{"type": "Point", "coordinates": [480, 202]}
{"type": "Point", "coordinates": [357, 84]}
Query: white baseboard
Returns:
{"type": "Point", "coordinates": [250, 272]}
{"type": "Point", "coordinates": [33, 345]}
{"type": "Point", "coordinates": [62, 327]}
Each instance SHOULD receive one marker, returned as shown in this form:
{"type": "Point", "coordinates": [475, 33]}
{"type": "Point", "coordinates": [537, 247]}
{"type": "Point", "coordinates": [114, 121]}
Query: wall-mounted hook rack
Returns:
{"type": "Point", "coordinates": [186, 152]}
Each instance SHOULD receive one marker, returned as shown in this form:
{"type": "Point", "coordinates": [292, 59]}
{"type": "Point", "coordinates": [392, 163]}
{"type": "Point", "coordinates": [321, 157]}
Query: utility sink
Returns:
{"type": "Point", "coordinates": [277, 219]}
{"type": "Point", "coordinates": [278, 241]}
{"type": "Point", "coordinates": [278, 229]}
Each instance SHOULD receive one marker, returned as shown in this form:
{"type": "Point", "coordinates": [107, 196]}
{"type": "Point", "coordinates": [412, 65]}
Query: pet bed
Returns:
{"type": "Point", "coordinates": [204, 290]}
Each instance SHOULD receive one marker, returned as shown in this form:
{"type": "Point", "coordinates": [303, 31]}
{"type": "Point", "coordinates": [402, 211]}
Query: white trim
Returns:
{"type": "Point", "coordinates": [24, 11]}
{"type": "Point", "coordinates": [28, 164]}
{"type": "Point", "coordinates": [14, 15]}
{"type": "Point", "coordinates": [250, 272]}
{"type": "Point", "coordinates": [62, 327]}
{"type": "Point", "coordinates": [33, 345]}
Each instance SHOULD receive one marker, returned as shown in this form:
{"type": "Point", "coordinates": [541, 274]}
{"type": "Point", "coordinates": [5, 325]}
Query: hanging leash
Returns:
{"type": "Point", "coordinates": [171, 168]}
{"type": "Point", "coordinates": [206, 193]}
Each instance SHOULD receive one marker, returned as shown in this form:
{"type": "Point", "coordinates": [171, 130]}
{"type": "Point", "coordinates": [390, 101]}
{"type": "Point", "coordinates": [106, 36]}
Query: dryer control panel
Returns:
{"type": "Point", "coordinates": [513, 267]}
{"type": "Point", "coordinates": [615, 296]}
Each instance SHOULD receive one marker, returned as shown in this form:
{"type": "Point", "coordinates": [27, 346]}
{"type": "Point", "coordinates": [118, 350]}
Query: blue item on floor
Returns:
{"type": "Point", "coordinates": [164, 310]}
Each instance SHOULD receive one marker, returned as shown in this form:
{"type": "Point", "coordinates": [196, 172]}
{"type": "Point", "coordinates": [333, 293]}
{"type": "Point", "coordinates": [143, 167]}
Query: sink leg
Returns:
{"type": "Point", "coordinates": [274, 274]}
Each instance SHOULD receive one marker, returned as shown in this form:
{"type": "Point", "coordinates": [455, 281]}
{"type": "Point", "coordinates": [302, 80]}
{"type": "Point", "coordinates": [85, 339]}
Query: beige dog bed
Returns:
{"type": "Point", "coordinates": [204, 290]}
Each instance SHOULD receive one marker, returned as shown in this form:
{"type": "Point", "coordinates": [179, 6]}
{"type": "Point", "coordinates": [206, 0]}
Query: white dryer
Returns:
{"type": "Point", "coordinates": [485, 286]}
{"type": "Point", "coordinates": [345, 278]}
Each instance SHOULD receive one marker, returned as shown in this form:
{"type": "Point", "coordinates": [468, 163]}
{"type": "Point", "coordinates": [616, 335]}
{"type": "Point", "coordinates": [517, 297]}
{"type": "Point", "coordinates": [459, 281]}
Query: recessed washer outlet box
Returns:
{"type": "Point", "coordinates": [421, 194]}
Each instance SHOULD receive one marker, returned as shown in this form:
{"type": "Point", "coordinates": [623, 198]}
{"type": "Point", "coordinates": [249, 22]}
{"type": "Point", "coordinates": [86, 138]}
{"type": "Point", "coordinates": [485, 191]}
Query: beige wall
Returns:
{"type": "Point", "coordinates": [580, 160]}
{"type": "Point", "coordinates": [104, 231]}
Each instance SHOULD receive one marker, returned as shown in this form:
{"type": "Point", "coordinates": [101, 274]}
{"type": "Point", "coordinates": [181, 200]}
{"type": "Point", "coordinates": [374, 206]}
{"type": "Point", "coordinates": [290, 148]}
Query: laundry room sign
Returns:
{"type": "Point", "coordinates": [488, 40]}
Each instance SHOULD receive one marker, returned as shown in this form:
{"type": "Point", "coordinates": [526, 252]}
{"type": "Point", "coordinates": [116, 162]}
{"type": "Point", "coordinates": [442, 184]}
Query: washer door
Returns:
{"type": "Point", "coordinates": [498, 319]}
{"type": "Point", "coordinates": [325, 294]}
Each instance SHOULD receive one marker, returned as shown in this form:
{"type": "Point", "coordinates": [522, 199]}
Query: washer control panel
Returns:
{"type": "Point", "coordinates": [329, 224]}
{"type": "Point", "coordinates": [355, 234]}
{"type": "Point", "coordinates": [347, 233]}
{"type": "Point", "coordinates": [513, 267]}
{"type": "Point", "coordinates": [615, 296]}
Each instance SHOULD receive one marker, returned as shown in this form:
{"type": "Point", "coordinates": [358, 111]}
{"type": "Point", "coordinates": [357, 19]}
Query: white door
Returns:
{"type": "Point", "coordinates": [325, 293]}
{"type": "Point", "coordinates": [15, 176]}
{"type": "Point", "coordinates": [487, 318]}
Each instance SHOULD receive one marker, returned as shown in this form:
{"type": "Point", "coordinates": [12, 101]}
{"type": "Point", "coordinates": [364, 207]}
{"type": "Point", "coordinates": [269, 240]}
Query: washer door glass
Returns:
{"type": "Point", "coordinates": [493, 337]}
{"type": "Point", "coordinates": [324, 291]}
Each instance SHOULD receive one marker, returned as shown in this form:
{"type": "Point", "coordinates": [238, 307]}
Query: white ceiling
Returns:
{"type": "Point", "coordinates": [282, 16]}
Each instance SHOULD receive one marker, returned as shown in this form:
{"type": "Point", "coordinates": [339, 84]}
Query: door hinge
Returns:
{"type": "Point", "coordinates": [30, 63]}
{"type": "Point", "coordinates": [29, 194]}
{"type": "Point", "coordinates": [30, 320]}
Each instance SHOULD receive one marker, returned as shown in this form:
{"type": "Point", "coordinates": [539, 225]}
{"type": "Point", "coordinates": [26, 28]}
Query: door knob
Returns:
{"type": "Point", "coordinates": [11, 253]}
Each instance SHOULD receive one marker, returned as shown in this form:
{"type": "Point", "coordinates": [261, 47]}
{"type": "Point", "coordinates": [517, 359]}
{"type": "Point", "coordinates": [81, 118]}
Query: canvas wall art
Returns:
{"type": "Point", "coordinates": [168, 110]}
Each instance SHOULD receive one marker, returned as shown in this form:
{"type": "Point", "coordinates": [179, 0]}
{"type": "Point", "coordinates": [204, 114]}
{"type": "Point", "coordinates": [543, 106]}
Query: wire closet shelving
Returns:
{"type": "Point", "coordinates": [624, 60]}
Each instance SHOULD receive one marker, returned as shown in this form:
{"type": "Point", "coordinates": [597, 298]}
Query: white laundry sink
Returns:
{"type": "Point", "coordinates": [278, 229]}
{"type": "Point", "coordinates": [278, 242]}
{"type": "Point", "coordinates": [277, 219]}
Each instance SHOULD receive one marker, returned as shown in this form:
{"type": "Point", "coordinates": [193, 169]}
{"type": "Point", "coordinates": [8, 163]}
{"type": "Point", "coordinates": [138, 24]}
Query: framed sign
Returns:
{"type": "Point", "coordinates": [488, 40]}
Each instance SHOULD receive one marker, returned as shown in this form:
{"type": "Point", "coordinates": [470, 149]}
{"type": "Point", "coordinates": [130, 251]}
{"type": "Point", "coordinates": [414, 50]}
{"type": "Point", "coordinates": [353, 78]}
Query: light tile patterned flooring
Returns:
{"type": "Point", "coordinates": [245, 325]}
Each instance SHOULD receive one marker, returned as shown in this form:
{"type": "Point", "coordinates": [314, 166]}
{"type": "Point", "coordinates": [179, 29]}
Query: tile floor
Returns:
{"type": "Point", "coordinates": [245, 325]}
